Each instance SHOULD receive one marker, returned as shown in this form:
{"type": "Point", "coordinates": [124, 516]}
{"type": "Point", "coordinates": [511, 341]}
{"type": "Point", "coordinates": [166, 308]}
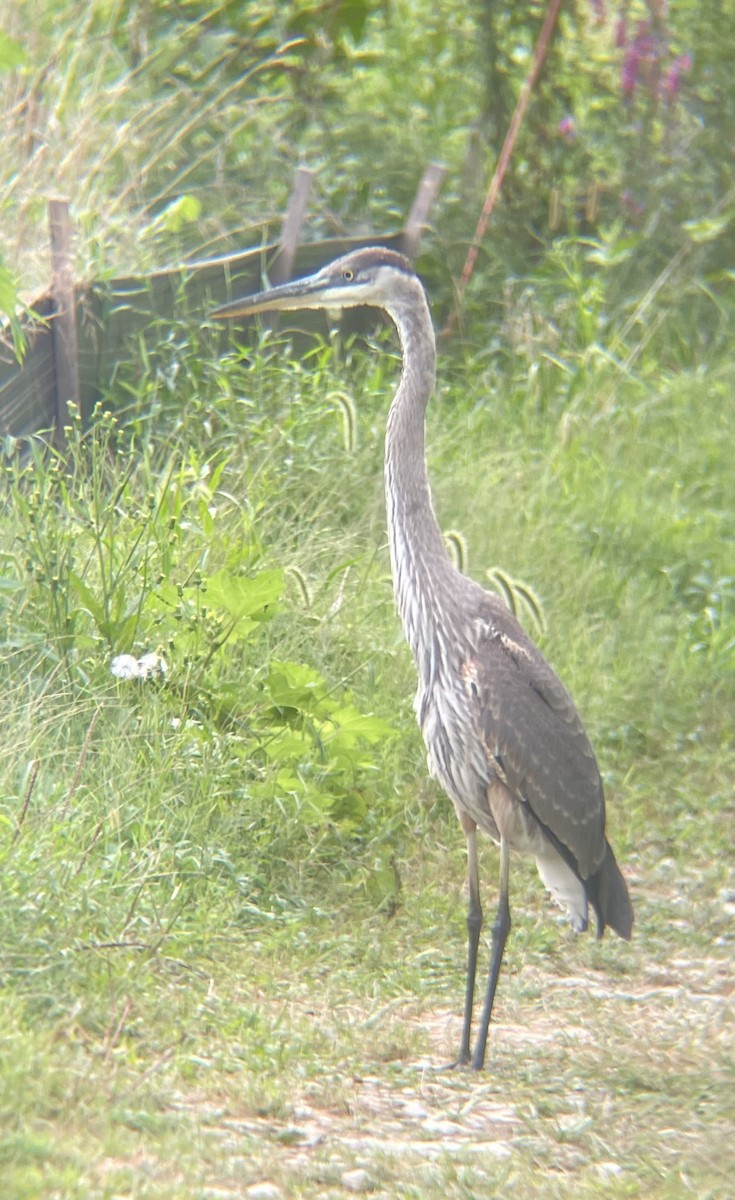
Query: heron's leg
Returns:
{"type": "Point", "coordinates": [474, 926]}
{"type": "Point", "coordinates": [501, 929]}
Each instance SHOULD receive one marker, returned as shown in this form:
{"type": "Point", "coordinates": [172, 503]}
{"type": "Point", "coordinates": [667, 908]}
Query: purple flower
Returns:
{"type": "Point", "coordinates": [672, 79]}
{"type": "Point", "coordinates": [641, 61]}
{"type": "Point", "coordinates": [630, 70]}
{"type": "Point", "coordinates": [567, 128]}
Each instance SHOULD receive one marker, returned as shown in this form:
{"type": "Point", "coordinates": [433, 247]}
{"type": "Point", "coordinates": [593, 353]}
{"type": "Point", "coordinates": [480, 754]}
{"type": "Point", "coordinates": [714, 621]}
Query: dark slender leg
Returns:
{"type": "Point", "coordinates": [501, 929]}
{"type": "Point", "coordinates": [474, 926]}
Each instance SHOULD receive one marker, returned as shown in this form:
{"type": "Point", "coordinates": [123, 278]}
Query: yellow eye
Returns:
{"type": "Point", "coordinates": [348, 274]}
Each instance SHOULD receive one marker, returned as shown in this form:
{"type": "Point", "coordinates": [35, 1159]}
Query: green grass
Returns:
{"type": "Point", "coordinates": [233, 914]}
{"type": "Point", "coordinates": [232, 937]}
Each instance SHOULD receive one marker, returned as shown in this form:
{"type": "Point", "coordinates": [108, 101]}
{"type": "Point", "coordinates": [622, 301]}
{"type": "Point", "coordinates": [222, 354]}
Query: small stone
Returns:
{"type": "Point", "coordinates": [357, 1180]}
{"type": "Point", "coordinates": [414, 1110]}
{"type": "Point", "coordinates": [441, 1127]}
{"type": "Point", "coordinates": [264, 1191]}
{"type": "Point", "coordinates": [607, 1169]}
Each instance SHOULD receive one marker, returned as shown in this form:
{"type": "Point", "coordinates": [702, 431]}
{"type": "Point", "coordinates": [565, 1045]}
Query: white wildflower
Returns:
{"type": "Point", "coordinates": [124, 666]}
{"type": "Point", "coordinates": [152, 666]}
{"type": "Point", "coordinates": [148, 666]}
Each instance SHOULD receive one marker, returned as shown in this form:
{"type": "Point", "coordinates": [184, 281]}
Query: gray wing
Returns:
{"type": "Point", "coordinates": [532, 730]}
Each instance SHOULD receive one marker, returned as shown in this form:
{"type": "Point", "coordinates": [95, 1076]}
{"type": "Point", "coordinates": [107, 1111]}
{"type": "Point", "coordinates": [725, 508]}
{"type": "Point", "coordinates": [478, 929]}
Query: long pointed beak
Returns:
{"type": "Point", "coordinates": [302, 293]}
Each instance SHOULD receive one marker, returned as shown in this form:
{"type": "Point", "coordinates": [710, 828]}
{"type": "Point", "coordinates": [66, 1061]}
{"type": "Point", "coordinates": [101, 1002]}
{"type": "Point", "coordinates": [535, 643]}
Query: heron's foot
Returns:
{"type": "Point", "coordinates": [467, 1061]}
{"type": "Point", "coordinates": [460, 1064]}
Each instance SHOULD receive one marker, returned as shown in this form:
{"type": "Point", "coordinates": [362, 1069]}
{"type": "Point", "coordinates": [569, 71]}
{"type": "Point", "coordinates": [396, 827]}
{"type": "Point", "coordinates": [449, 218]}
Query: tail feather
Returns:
{"type": "Point", "coordinates": [607, 892]}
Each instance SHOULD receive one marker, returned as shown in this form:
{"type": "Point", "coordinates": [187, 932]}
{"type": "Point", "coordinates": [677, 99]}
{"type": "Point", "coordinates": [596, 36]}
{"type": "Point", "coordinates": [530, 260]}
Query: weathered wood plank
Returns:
{"type": "Point", "coordinates": [291, 228]}
{"type": "Point", "coordinates": [64, 320]}
{"type": "Point", "coordinates": [111, 317]}
{"type": "Point", "coordinates": [426, 194]}
{"type": "Point", "coordinates": [28, 391]}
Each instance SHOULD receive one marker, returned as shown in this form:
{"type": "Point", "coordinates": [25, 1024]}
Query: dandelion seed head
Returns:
{"type": "Point", "coordinates": [124, 666]}
{"type": "Point", "coordinates": [152, 666]}
{"type": "Point", "coordinates": [148, 666]}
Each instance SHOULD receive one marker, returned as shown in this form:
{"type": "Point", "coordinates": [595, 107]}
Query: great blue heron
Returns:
{"type": "Point", "coordinates": [503, 736]}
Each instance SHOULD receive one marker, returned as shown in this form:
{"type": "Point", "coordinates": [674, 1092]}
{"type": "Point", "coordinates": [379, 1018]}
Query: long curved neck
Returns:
{"type": "Point", "coordinates": [422, 570]}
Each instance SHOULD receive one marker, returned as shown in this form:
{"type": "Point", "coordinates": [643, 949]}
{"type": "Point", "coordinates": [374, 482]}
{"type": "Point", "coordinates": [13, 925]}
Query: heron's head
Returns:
{"type": "Point", "coordinates": [375, 277]}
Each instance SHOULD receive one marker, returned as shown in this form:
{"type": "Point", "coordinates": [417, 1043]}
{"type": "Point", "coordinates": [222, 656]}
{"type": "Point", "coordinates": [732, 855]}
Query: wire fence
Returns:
{"type": "Point", "coordinates": [79, 331]}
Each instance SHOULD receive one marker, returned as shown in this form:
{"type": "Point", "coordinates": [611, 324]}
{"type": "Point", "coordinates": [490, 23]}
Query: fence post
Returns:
{"type": "Point", "coordinates": [291, 227]}
{"type": "Point", "coordinates": [64, 318]}
{"type": "Point", "coordinates": [426, 194]}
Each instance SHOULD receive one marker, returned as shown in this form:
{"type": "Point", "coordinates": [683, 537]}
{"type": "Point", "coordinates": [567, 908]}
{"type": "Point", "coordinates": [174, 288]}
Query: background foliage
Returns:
{"type": "Point", "coordinates": [176, 128]}
{"type": "Point", "coordinates": [232, 902]}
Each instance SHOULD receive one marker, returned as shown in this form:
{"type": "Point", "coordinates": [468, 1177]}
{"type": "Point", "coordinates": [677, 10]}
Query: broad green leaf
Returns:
{"type": "Point", "coordinates": [383, 886]}
{"type": "Point", "coordinates": [288, 746]}
{"type": "Point", "coordinates": [245, 596]}
{"type": "Point", "coordinates": [12, 54]}
{"type": "Point", "coordinates": [354, 14]}
{"type": "Point", "coordinates": [119, 633]}
{"type": "Point", "coordinates": [296, 685]}
{"type": "Point", "coordinates": [352, 725]}
{"type": "Point", "coordinates": [349, 807]}
{"type": "Point", "coordinates": [89, 601]}
{"type": "Point", "coordinates": [8, 291]}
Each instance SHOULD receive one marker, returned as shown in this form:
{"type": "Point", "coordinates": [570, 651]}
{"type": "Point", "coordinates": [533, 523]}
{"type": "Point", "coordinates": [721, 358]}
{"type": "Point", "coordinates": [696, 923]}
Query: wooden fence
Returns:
{"type": "Point", "coordinates": [78, 331]}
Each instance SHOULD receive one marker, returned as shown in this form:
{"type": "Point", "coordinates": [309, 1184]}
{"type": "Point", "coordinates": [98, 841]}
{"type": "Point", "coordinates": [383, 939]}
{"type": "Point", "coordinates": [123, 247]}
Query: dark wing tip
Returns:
{"type": "Point", "coordinates": [607, 892]}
